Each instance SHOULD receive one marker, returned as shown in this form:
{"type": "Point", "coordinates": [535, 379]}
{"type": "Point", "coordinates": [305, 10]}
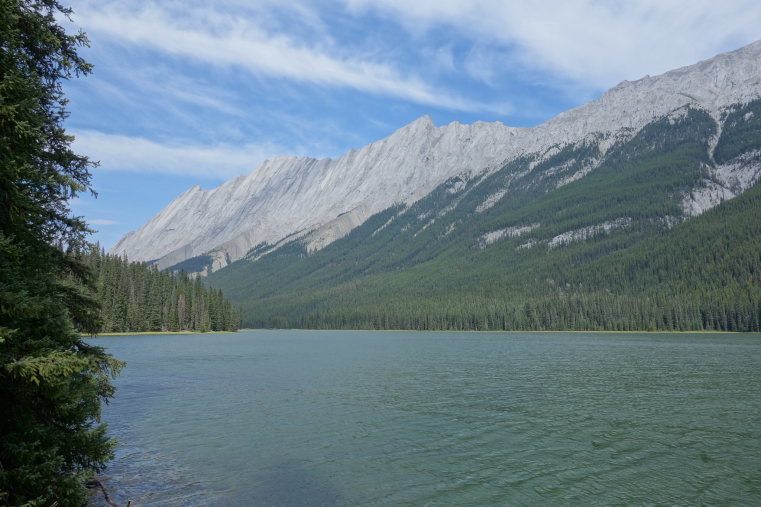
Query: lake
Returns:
{"type": "Point", "coordinates": [405, 418]}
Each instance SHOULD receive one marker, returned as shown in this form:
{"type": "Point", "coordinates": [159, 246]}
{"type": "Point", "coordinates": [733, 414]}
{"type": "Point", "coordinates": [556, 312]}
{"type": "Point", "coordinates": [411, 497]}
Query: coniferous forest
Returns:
{"type": "Point", "coordinates": [137, 297]}
{"type": "Point", "coordinates": [636, 262]}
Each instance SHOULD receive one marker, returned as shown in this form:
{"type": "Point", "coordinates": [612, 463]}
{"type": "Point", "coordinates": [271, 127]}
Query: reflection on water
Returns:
{"type": "Point", "coordinates": [373, 418]}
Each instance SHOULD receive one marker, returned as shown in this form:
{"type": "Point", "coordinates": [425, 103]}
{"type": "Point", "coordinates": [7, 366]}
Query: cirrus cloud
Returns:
{"type": "Point", "coordinates": [117, 152]}
{"type": "Point", "coordinates": [203, 35]}
{"type": "Point", "coordinates": [596, 43]}
{"type": "Point", "coordinates": [102, 221]}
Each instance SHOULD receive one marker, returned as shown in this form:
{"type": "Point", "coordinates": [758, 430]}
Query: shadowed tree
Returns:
{"type": "Point", "coordinates": [51, 382]}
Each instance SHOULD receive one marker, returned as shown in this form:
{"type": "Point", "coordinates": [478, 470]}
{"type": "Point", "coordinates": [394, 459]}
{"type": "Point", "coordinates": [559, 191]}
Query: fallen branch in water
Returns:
{"type": "Point", "coordinates": [93, 483]}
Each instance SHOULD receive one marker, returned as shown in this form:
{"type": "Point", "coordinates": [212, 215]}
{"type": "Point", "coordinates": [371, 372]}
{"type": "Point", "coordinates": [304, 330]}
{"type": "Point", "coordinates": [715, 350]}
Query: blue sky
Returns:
{"type": "Point", "coordinates": [189, 92]}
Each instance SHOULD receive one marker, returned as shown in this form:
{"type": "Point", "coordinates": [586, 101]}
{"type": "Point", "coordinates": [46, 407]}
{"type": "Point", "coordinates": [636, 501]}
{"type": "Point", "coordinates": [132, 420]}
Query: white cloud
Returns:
{"type": "Point", "coordinates": [125, 153]}
{"type": "Point", "coordinates": [482, 64]}
{"type": "Point", "coordinates": [594, 42]}
{"type": "Point", "coordinates": [206, 36]}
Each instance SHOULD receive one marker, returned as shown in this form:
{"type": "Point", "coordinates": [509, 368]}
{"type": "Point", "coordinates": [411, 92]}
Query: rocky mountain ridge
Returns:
{"type": "Point", "coordinates": [292, 196]}
{"type": "Point", "coordinates": [322, 200]}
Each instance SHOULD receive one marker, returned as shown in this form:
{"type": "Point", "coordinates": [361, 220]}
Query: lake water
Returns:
{"type": "Point", "coordinates": [402, 418]}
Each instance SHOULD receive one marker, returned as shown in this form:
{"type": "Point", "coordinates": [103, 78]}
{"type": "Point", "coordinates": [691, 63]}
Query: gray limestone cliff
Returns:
{"type": "Point", "coordinates": [322, 200]}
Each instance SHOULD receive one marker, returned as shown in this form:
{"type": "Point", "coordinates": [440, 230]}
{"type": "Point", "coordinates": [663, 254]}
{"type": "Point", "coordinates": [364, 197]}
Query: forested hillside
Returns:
{"type": "Point", "coordinates": [135, 296]}
{"type": "Point", "coordinates": [542, 244]}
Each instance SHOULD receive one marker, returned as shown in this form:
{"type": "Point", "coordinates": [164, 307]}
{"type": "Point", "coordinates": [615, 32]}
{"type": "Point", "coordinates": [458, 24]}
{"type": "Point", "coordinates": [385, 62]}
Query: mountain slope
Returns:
{"type": "Point", "coordinates": [319, 201]}
{"type": "Point", "coordinates": [290, 196]}
{"type": "Point", "coordinates": [523, 248]}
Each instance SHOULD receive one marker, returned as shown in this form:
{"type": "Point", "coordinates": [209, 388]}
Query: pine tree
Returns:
{"type": "Point", "coordinates": [51, 382]}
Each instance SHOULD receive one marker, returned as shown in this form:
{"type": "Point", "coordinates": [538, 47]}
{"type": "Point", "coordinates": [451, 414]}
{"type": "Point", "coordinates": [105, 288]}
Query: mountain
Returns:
{"type": "Point", "coordinates": [319, 201]}
{"type": "Point", "coordinates": [640, 210]}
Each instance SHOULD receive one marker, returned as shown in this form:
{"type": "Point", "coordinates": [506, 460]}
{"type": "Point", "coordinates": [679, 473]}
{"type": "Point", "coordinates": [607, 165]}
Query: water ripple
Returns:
{"type": "Point", "coordinates": [321, 418]}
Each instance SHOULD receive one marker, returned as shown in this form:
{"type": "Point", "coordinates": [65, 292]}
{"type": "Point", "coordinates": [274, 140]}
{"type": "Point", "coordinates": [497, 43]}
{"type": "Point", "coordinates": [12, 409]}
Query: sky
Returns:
{"type": "Point", "coordinates": [187, 92]}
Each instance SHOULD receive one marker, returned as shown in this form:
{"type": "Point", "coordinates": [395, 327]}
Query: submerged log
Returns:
{"type": "Point", "coordinates": [96, 483]}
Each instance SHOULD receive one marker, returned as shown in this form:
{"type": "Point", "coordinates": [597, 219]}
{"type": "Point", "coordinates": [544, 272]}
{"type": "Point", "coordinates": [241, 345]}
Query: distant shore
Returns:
{"type": "Point", "coordinates": [131, 333]}
{"type": "Point", "coordinates": [478, 331]}
{"type": "Point", "coordinates": [128, 333]}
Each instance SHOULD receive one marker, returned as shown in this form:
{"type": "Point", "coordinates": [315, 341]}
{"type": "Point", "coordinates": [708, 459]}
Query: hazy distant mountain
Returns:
{"type": "Point", "coordinates": [318, 201]}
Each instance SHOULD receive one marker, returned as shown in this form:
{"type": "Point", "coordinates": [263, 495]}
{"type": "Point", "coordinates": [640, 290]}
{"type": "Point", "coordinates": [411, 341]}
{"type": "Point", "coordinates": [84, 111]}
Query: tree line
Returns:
{"type": "Point", "coordinates": [598, 311]}
{"type": "Point", "coordinates": [136, 297]}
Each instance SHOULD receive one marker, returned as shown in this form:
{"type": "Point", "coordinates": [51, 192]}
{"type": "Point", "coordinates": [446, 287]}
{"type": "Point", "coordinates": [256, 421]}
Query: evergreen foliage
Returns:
{"type": "Point", "coordinates": [740, 132]}
{"type": "Point", "coordinates": [51, 382]}
{"type": "Point", "coordinates": [199, 264]}
{"type": "Point", "coordinates": [136, 297]}
{"type": "Point", "coordinates": [429, 267]}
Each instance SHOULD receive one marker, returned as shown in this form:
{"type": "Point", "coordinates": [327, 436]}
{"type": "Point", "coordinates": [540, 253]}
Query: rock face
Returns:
{"type": "Point", "coordinates": [291, 197]}
{"type": "Point", "coordinates": [322, 200]}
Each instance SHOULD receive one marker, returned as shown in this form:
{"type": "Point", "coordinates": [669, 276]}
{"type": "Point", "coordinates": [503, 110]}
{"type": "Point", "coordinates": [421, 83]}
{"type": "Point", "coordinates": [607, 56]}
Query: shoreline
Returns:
{"type": "Point", "coordinates": [133, 333]}
{"type": "Point", "coordinates": [148, 333]}
{"type": "Point", "coordinates": [493, 331]}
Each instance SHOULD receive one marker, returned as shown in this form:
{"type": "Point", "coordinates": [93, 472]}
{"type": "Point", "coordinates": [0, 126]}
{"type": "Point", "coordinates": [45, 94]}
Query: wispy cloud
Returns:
{"type": "Point", "coordinates": [588, 41]}
{"type": "Point", "coordinates": [205, 36]}
{"type": "Point", "coordinates": [102, 221]}
{"type": "Point", "coordinates": [126, 153]}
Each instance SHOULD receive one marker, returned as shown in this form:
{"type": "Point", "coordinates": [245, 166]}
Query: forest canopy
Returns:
{"type": "Point", "coordinates": [137, 297]}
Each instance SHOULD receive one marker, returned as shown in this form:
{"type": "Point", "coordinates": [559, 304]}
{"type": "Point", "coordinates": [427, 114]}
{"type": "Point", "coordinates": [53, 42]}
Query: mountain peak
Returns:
{"type": "Point", "coordinates": [423, 120]}
{"type": "Point", "coordinates": [422, 124]}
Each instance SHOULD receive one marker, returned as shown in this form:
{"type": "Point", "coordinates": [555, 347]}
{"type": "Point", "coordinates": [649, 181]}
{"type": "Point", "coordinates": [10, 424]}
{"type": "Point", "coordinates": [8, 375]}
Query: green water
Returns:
{"type": "Point", "coordinates": [403, 418]}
